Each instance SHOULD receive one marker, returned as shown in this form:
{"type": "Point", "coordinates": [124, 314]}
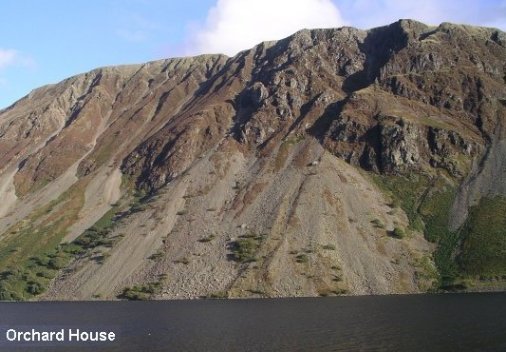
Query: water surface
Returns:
{"type": "Point", "coordinates": [451, 322]}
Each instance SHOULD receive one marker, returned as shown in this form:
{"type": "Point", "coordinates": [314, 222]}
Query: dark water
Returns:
{"type": "Point", "coordinates": [460, 322]}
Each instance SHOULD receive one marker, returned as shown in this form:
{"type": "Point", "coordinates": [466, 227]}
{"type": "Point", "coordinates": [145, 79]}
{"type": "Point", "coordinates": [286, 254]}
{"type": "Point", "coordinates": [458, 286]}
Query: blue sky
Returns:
{"type": "Point", "coordinates": [43, 42]}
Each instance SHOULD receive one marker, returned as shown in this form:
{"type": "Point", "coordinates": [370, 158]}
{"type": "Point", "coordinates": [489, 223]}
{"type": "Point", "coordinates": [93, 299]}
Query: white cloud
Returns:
{"type": "Point", "coordinates": [235, 25]}
{"type": "Point", "coordinates": [369, 13]}
{"type": "Point", "coordinates": [11, 57]}
{"type": "Point", "coordinates": [7, 57]}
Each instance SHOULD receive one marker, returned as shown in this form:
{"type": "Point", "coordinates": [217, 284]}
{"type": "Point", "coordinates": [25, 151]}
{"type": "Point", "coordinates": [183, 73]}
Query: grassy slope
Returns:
{"type": "Point", "coordinates": [484, 245]}
{"type": "Point", "coordinates": [477, 250]}
{"type": "Point", "coordinates": [29, 258]}
{"type": "Point", "coordinates": [27, 266]}
{"type": "Point", "coordinates": [426, 201]}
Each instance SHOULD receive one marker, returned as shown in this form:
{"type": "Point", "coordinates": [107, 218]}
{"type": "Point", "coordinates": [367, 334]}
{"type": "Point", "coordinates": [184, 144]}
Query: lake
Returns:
{"type": "Point", "coordinates": [446, 322]}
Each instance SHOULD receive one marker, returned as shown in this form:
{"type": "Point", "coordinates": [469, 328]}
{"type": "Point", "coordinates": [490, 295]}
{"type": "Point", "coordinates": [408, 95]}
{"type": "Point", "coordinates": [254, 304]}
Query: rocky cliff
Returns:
{"type": "Point", "coordinates": [335, 161]}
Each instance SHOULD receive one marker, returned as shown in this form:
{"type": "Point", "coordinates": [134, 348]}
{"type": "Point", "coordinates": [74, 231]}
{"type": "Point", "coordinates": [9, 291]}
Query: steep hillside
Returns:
{"type": "Point", "coordinates": [335, 161]}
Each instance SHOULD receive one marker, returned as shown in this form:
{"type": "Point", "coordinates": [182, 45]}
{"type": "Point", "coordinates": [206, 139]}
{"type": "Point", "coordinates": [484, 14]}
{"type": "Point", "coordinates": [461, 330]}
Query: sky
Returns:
{"type": "Point", "coordinates": [44, 42]}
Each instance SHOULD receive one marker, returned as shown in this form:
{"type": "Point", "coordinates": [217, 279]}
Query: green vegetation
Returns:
{"type": "Point", "coordinates": [483, 250]}
{"type": "Point", "coordinates": [435, 211]}
{"type": "Point", "coordinates": [378, 224]}
{"type": "Point", "coordinates": [302, 258]}
{"type": "Point", "coordinates": [478, 250]}
{"type": "Point", "coordinates": [103, 154]}
{"type": "Point", "coordinates": [325, 292]}
{"type": "Point", "coordinates": [207, 239]}
{"type": "Point", "coordinates": [32, 253]}
{"type": "Point", "coordinates": [337, 278]}
{"type": "Point", "coordinates": [427, 203]}
{"type": "Point", "coordinates": [294, 139]}
{"type": "Point", "coordinates": [98, 234]}
{"type": "Point", "coordinates": [144, 292]}
{"type": "Point", "coordinates": [139, 198]}
{"type": "Point", "coordinates": [30, 277]}
{"type": "Point", "coordinates": [329, 247]}
{"type": "Point", "coordinates": [245, 248]}
{"type": "Point", "coordinates": [341, 291]}
{"type": "Point", "coordinates": [218, 295]}
{"type": "Point", "coordinates": [257, 292]}
{"type": "Point", "coordinates": [405, 193]}
{"type": "Point", "coordinates": [156, 256]}
{"type": "Point", "coordinates": [141, 292]}
{"type": "Point", "coordinates": [399, 233]}
{"type": "Point", "coordinates": [427, 271]}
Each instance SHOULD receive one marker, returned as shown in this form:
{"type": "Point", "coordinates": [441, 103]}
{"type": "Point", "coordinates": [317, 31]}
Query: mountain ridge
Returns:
{"type": "Point", "coordinates": [218, 176]}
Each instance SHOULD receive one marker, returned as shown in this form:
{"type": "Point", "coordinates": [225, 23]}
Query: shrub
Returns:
{"type": "Point", "coordinates": [257, 292]}
{"type": "Point", "coordinates": [5, 295]}
{"type": "Point", "coordinates": [218, 295]}
{"type": "Point", "coordinates": [45, 274]}
{"type": "Point", "coordinates": [378, 224]}
{"type": "Point", "coordinates": [341, 291]}
{"type": "Point", "coordinates": [245, 248]}
{"type": "Point", "coordinates": [100, 259]}
{"type": "Point", "coordinates": [156, 256]}
{"type": "Point", "coordinates": [57, 263]}
{"type": "Point", "coordinates": [134, 294]}
{"type": "Point", "coordinates": [337, 278]}
{"type": "Point", "coordinates": [302, 258]}
{"type": "Point", "coordinates": [207, 239]}
{"type": "Point", "coordinates": [398, 232]}
{"type": "Point", "coordinates": [34, 288]}
{"type": "Point", "coordinates": [329, 247]}
{"type": "Point", "coordinates": [141, 293]}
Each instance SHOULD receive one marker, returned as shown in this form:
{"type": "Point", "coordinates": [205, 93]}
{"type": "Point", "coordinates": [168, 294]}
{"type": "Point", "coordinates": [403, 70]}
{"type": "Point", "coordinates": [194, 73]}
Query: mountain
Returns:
{"type": "Point", "coordinates": [336, 161]}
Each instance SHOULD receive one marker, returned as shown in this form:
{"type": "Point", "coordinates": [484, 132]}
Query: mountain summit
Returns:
{"type": "Point", "coordinates": [335, 161]}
